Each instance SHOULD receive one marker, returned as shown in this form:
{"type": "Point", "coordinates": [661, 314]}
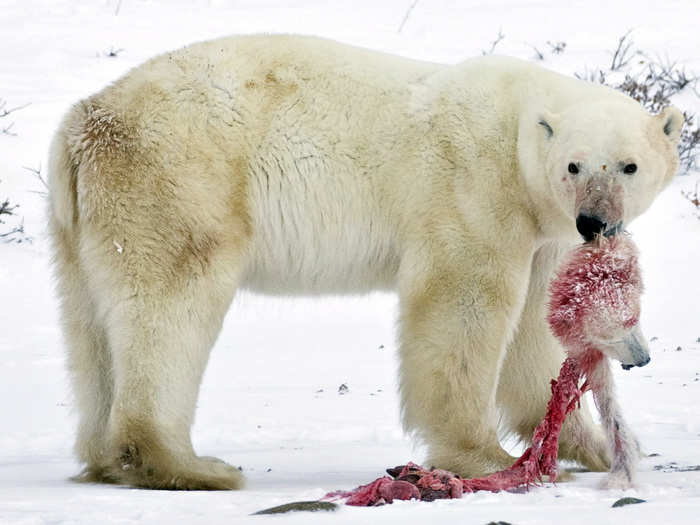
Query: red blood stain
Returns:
{"type": "Point", "coordinates": [596, 279]}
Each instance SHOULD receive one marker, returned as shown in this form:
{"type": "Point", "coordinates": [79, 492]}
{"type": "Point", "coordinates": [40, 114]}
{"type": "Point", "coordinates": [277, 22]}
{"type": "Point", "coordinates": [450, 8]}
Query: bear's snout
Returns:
{"type": "Point", "coordinates": [589, 226]}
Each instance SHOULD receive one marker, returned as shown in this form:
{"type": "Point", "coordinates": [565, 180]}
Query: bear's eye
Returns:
{"type": "Point", "coordinates": [573, 168]}
{"type": "Point", "coordinates": [630, 168]}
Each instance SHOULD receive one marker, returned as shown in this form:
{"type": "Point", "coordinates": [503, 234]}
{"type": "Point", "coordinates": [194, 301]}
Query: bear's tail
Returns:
{"type": "Point", "coordinates": [64, 163]}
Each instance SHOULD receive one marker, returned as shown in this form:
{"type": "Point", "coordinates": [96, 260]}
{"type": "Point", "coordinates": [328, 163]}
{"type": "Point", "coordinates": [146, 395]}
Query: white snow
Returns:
{"type": "Point", "coordinates": [270, 399]}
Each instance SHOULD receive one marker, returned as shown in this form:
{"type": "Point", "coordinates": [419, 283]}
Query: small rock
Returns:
{"type": "Point", "coordinates": [674, 467]}
{"type": "Point", "coordinates": [381, 347]}
{"type": "Point", "coordinates": [653, 339]}
{"type": "Point", "coordinates": [678, 349]}
{"type": "Point", "coordinates": [498, 523]}
{"type": "Point", "coordinates": [343, 389]}
{"type": "Point", "coordinates": [627, 501]}
{"type": "Point", "coordinates": [268, 469]}
{"type": "Point", "coordinates": [654, 455]}
{"type": "Point", "coordinates": [297, 506]}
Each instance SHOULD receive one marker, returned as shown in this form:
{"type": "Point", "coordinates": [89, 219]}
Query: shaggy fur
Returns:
{"type": "Point", "coordinates": [287, 165]}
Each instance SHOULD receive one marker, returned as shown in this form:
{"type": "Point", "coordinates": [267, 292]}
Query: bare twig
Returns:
{"type": "Point", "coordinates": [6, 130]}
{"type": "Point", "coordinates": [556, 47]}
{"type": "Point", "coordinates": [113, 53]}
{"type": "Point", "coordinates": [689, 144]}
{"type": "Point", "coordinates": [4, 111]}
{"type": "Point", "coordinates": [500, 37]}
{"type": "Point", "coordinates": [693, 197]}
{"type": "Point", "coordinates": [622, 54]}
{"type": "Point", "coordinates": [595, 75]}
{"type": "Point", "coordinates": [37, 173]}
{"type": "Point", "coordinates": [11, 235]}
{"type": "Point", "coordinates": [538, 53]}
{"type": "Point", "coordinates": [672, 74]}
{"type": "Point", "coordinates": [408, 14]}
{"type": "Point", "coordinates": [6, 209]}
{"type": "Point", "coordinates": [16, 234]}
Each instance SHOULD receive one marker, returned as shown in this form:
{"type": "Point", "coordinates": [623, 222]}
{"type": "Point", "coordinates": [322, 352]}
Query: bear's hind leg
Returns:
{"type": "Point", "coordinates": [160, 347]}
{"type": "Point", "coordinates": [164, 292]}
{"type": "Point", "coordinates": [88, 359]}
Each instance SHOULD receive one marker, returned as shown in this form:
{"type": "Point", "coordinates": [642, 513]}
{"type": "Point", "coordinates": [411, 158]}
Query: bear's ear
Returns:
{"type": "Point", "coordinates": [549, 122]}
{"type": "Point", "coordinates": [672, 121]}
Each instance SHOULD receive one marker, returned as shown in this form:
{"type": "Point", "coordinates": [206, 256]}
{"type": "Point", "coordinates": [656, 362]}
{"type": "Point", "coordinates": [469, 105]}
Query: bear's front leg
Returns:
{"type": "Point", "coordinates": [455, 322]}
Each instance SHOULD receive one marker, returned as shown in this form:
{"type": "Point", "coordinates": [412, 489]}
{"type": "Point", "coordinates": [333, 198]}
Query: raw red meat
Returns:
{"type": "Point", "coordinates": [600, 280]}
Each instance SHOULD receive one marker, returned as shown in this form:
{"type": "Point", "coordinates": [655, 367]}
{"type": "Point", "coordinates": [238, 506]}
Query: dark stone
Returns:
{"type": "Point", "coordinates": [300, 506]}
{"type": "Point", "coordinates": [674, 467]}
{"type": "Point", "coordinates": [627, 501]}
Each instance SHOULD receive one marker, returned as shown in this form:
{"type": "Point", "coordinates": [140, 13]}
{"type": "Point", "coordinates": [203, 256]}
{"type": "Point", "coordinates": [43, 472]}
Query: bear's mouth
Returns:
{"type": "Point", "coordinates": [591, 226]}
{"type": "Point", "coordinates": [614, 230]}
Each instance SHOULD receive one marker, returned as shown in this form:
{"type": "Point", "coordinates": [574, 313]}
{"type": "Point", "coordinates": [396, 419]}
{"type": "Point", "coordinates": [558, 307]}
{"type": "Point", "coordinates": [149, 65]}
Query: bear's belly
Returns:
{"type": "Point", "coordinates": [294, 257]}
{"type": "Point", "coordinates": [322, 266]}
{"type": "Point", "coordinates": [319, 232]}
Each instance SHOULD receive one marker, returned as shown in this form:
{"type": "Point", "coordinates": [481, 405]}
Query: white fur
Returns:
{"type": "Point", "coordinates": [296, 165]}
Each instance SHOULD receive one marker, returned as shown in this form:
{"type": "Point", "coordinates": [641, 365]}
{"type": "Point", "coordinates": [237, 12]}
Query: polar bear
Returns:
{"type": "Point", "coordinates": [287, 164]}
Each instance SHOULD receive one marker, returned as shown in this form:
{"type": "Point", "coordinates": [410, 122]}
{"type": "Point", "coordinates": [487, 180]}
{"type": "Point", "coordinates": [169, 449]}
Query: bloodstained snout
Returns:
{"type": "Point", "coordinates": [589, 226]}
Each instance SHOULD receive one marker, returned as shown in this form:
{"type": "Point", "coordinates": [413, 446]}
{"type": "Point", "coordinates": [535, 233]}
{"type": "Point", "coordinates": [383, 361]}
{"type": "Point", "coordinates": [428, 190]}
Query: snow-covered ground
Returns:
{"type": "Point", "coordinates": [270, 399]}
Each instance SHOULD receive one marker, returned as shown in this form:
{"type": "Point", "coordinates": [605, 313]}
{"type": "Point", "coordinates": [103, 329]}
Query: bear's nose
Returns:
{"type": "Point", "coordinates": [589, 226]}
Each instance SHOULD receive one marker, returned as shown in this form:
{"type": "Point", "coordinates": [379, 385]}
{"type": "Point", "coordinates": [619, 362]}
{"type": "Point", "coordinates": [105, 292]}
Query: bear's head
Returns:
{"type": "Point", "coordinates": [596, 166]}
